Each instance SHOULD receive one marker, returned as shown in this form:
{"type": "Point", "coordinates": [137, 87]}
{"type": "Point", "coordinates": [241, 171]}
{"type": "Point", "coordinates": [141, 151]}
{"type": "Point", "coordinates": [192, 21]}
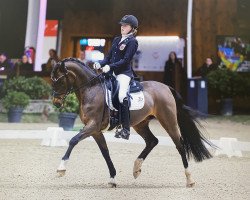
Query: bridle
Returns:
{"type": "Point", "coordinates": [65, 75]}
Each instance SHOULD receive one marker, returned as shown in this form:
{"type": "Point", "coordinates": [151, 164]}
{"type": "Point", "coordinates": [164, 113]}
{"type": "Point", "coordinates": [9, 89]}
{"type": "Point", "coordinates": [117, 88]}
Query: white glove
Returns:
{"type": "Point", "coordinates": [106, 68]}
{"type": "Point", "coordinates": [96, 65]}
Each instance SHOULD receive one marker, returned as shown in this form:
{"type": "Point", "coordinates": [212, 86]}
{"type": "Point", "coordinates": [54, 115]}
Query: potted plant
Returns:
{"type": "Point", "coordinates": [14, 102]}
{"type": "Point", "coordinates": [68, 112]}
{"type": "Point", "coordinates": [35, 87]}
{"type": "Point", "coordinates": [223, 84]}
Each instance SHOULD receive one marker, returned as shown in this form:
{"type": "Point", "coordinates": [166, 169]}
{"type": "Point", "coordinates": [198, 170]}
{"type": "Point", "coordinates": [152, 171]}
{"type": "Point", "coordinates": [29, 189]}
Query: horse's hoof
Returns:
{"type": "Point", "coordinates": [137, 167]}
{"type": "Point", "coordinates": [137, 173]}
{"type": "Point", "coordinates": [112, 185]}
{"type": "Point", "coordinates": [190, 185]}
{"type": "Point", "coordinates": [61, 173]}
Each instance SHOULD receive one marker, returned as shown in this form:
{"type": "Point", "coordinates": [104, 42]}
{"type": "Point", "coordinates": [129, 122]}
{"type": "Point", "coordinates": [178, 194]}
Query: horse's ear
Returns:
{"type": "Point", "coordinates": [63, 67]}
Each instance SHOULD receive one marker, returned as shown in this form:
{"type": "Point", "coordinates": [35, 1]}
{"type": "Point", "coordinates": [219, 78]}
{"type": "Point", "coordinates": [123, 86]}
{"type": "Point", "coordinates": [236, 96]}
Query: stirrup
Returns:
{"type": "Point", "coordinates": [118, 132]}
{"type": "Point", "coordinates": [125, 134]}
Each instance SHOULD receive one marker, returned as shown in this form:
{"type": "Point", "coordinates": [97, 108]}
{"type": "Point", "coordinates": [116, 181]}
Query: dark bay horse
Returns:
{"type": "Point", "coordinates": [161, 102]}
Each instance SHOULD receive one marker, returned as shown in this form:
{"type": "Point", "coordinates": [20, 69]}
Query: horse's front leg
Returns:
{"type": "Point", "coordinates": [84, 133]}
{"type": "Point", "coordinates": [101, 142]}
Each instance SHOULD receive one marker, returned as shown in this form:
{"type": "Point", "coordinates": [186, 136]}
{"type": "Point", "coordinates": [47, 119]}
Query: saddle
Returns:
{"type": "Point", "coordinates": [112, 89]}
{"type": "Point", "coordinates": [112, 85]}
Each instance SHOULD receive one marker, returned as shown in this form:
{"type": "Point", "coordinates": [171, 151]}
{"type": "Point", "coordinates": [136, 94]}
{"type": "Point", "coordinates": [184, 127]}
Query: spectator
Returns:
{"type": "Point", "coordinates": [6, 65]}
{"type": "Point", "coordinates": [24, 66]}
{"type": "Point", "coordinates": [82, 57]}
{"type": "Point", "coordinates": [30, 52]}
{"type": "Point", "coordinates": [206, 68]}
{"type": "Point", "coordinates": [52, 57]}
{"type": "Point", "coordinates": [173, 73]}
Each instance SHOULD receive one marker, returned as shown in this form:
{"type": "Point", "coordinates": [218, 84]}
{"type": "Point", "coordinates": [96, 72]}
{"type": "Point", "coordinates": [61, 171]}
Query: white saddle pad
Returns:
{"type": "Point", "coordinates": [137, 100]}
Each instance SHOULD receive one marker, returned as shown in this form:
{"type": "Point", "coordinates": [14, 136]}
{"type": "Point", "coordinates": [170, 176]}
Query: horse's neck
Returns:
{"type": "Point", "coordinates": [83, 75]}
{"type": "Point", "coordinates": [85, 82]}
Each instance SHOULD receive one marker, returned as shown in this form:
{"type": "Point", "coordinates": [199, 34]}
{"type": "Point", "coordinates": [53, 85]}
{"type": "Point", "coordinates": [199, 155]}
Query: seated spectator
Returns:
{"type": "Point", "coordinates": [24, 66]}
{"type": "Point", "coordinates": [206, 68]}
{"type": "Point", "coordinates": [6, 65]}
{"type": "Point", "coordinates": [53, 57]}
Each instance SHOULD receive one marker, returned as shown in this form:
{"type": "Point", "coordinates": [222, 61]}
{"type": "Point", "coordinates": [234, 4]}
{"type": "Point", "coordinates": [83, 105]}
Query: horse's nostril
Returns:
{"type": "Point", "coordinates": [57, 104]}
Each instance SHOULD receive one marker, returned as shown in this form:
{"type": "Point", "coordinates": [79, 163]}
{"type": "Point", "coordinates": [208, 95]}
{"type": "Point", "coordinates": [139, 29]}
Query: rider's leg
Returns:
{"type": "Point", "coordinates": [124, 81]}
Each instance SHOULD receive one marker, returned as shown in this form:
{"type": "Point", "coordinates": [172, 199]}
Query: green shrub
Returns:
{"type": "Point", "coordinates": [37, 88]}
{"type": "Point", "coordinates": [241, 86]}
{"type": "Point", "coordinates": [15, 99]}
{"type": "Point", "coordinates": [18, 84]}
{"type": "Point", "coordinates": [246, 84]}
{"type": "Point", "coordinates": [225, 83]}
{"type": "Point", "coordinates": [70, 104]}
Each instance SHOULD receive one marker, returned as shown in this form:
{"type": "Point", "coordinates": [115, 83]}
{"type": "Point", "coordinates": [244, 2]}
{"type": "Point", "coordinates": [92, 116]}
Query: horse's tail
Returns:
{"type": "Point", "coordinates": [193, 140]}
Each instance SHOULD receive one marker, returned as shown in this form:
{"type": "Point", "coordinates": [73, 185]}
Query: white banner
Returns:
{"type": "Point", "coordinates": [153, 52]}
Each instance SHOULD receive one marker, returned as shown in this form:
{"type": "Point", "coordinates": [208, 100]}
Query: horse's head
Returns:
{"type": "Point", "coordinates": [62, 83]}
{"type": "Point", "coordinates": [71, 77]}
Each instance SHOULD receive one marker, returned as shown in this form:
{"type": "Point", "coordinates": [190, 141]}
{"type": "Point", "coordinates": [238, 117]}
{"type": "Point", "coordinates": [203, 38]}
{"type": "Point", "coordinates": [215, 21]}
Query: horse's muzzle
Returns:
{"type": "Point", "coordinates": [57, 102]}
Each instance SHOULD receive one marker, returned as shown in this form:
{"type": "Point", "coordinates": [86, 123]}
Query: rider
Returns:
{"type": "Point", "coordinates": [118, 61]}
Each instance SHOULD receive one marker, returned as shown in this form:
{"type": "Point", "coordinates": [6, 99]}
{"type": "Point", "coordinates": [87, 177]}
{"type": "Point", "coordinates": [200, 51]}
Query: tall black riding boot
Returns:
{"type": "Point", "coordinates": [125, 132]}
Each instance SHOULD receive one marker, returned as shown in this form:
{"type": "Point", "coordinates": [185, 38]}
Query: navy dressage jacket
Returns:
{"type": "Point", "coordinates": [120, 56]}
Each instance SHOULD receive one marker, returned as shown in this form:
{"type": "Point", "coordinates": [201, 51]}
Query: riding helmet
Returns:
{"type": "Point", "coordinates": [131, 20]}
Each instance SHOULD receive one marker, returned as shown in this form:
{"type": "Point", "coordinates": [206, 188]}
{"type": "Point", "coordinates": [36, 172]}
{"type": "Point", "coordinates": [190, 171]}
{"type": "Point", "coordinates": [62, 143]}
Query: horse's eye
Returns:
{"type": "Point", "coordinates": [60, 82]}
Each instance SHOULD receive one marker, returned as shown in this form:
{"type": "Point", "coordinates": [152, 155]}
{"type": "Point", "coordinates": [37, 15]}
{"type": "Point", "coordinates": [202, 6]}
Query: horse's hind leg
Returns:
{"type": "Point", "coordinates": [174, 132]}
{"type": "Point", "coordinates": [151, 141]}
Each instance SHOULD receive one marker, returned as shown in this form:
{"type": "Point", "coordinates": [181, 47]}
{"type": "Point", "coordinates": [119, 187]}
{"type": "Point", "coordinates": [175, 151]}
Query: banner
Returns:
{"type": "Point", "coordinates": [234, 53]}
{"type": "Point", "coordinates": [50, 38]}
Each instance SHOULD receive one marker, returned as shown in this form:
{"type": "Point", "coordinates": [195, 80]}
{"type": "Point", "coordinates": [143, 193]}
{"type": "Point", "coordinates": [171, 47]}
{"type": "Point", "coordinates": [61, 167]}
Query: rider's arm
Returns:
{"type": "Point", "coordinates": [130, 51]}
{"type": "Point", "coordinates": [107, 59]}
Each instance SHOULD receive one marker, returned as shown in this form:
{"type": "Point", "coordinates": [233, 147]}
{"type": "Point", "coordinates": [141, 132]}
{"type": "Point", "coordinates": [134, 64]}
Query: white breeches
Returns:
{"type": "Point", "coordinates": [123, 81]}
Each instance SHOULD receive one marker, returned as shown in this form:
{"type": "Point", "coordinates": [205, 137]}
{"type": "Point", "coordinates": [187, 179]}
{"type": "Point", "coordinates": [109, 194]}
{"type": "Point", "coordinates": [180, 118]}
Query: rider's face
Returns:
{"type": "Point", "coordinates": [125, 29]}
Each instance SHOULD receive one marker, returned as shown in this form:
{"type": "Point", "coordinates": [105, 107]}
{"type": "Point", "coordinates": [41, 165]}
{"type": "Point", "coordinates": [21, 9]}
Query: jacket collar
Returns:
{"type": "Point", "coordinates": [126, 40]}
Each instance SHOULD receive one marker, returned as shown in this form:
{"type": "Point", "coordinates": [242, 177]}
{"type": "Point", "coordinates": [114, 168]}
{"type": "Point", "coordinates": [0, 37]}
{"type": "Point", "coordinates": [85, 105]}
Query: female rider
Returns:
{"type": "Point", "coordinates": [118, 61]}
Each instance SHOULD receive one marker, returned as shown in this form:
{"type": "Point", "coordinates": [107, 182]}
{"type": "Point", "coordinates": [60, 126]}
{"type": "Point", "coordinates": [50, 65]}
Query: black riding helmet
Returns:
{"type": "Point", "coordinates": [131, 20]}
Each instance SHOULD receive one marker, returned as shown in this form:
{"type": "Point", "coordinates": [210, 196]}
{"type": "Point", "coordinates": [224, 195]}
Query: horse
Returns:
{"type": "Point", "coordinates": [161, 102]}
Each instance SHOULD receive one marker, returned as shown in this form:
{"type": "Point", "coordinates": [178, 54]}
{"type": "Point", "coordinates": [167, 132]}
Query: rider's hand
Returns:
{"type": "Point", "coordinates": [96, 65]}
{"type": "Point", "coordinates": [106, 68]}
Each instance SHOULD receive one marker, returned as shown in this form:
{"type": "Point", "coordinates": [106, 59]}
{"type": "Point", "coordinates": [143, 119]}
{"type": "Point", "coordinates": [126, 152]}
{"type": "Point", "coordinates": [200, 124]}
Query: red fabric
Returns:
{"type": "Point", "coordinates": [51, 28]}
